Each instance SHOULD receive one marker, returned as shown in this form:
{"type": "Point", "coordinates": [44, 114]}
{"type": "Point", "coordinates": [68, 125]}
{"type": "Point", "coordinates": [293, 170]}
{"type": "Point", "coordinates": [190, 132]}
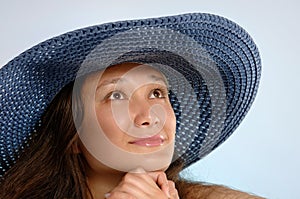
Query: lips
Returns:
{"type": "Point", "coordinates": [156, 140]}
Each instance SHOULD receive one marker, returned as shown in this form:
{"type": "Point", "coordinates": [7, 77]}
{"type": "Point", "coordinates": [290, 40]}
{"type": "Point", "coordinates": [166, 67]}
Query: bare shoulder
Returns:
{"type": "Point", "coordinates": [193, 190]}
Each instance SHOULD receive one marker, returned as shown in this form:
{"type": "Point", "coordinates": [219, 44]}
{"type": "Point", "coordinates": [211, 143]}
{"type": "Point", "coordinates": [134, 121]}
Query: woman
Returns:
{"type": "Point", "coordinates": [84, 118]}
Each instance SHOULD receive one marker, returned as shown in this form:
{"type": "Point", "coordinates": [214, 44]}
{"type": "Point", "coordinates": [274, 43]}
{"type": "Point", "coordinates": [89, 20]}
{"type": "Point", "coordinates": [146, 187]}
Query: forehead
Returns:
{"type": "Point", "coordinates": [125, 72]}
{"type": "Point", "coordinates": [130, 70]}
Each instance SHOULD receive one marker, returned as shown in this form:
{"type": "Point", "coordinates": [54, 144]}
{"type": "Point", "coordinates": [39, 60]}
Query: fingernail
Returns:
{"type": "Point", "coordinates": [107, 195]}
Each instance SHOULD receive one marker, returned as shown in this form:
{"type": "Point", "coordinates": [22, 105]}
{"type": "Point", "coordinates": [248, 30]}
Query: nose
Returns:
{"type": "Point", "coordinates": [141, 113]}
{"type": "Point", "coordinates": [142, 120]}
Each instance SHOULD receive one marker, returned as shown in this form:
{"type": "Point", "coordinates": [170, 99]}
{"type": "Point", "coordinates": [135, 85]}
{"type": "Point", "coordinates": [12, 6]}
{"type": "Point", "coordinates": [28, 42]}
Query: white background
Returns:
{"type": "Point", "coordinates": [262, 156]}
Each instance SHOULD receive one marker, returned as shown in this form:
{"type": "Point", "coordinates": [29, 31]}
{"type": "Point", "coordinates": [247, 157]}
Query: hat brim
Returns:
{"type": "Point", "coordinates": [212, 64]}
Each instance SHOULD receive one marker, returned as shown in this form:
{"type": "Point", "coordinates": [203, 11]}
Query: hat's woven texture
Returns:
{"type": "Point", "coordinates": [29, 82]}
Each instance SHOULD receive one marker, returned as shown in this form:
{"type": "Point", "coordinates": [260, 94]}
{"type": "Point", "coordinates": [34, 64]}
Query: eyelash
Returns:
{"type": "Point", "coordinates": [109, 95]}
{"type": "Point", "coordinates": [162, 91]}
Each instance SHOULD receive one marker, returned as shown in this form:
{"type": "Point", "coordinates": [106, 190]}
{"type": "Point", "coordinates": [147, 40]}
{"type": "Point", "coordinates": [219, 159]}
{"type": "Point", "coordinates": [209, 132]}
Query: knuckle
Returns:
{"type": "Point", "coordinates": [176, 192]}
{"type": "Point", "coordinates": [171, 184]}
{"type": "Point", "coordinates": [127, 177]}
{"type": "Point", "coordinates": [124, 186]}
{"type": "Point", "coordinates": [163, 174]}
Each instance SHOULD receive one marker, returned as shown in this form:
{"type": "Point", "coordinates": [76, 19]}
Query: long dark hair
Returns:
{"type": "Point", "coordinates": [49, 168]}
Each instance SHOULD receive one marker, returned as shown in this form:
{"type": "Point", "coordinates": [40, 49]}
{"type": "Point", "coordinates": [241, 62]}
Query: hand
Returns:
{"type": "Point", "coordinates": [144, 185]}
{"type": "Point", "coordinates": [167, 186]}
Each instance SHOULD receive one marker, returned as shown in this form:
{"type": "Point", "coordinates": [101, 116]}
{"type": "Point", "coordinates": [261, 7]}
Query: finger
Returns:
{"type": "Point", "coordinates": [173, 190]}
{"type": "Point", "coordinates": [140, 185]}
{"type": "Point", "coordinates": [136, 184]}
{"type": "Point", "coordinates": [161, 180]}
{"type": "Point", "coordinates": [171, 185]}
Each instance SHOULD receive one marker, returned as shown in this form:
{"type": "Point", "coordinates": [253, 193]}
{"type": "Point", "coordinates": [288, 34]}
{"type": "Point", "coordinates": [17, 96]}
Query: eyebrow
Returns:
{"type": "Point", "coordinates": [111, 81]}
{"type": "Point", "coordinates": [157, 79]}
{"type": "Point", "coordinates": [116, 80]}
{"type": "Point", "coordinates": [108, 82]}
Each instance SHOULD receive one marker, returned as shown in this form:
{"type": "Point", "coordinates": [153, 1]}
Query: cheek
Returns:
{"type": "Point", "coordinates": [170, 121]}
{"type": "Point", "coordinates": [106, 121]}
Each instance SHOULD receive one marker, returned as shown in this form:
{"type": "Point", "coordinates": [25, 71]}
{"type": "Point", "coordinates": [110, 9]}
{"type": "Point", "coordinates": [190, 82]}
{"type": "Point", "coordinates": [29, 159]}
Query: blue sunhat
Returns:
{"type": "Point", "coordinates": [212, 66]}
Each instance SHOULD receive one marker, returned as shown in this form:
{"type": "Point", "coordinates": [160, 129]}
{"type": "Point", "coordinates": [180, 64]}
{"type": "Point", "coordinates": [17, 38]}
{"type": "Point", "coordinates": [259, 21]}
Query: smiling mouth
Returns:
{"type": "Point", "coordinates": [156, 140]}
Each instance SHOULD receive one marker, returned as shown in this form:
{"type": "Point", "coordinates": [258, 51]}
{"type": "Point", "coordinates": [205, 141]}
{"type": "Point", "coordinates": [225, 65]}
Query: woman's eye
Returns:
{"type": "Point", "coordinates": [116, 95]}
{"type": "Point", "coordinates": [157, 93]}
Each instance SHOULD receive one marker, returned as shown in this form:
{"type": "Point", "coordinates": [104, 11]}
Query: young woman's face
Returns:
{"type": "Point", "coordinates": [132, 108]}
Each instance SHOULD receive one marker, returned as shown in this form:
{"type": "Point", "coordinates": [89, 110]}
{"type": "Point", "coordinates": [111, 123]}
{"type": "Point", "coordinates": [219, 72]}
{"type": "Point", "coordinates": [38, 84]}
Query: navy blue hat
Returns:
{"type": "Point", "coordinates": [212, 65]}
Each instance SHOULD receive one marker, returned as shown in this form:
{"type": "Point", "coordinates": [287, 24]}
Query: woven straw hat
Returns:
{"type": "Point", "coordinates": [212, 66]}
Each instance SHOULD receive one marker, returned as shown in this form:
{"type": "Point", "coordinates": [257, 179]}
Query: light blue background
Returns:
{"type": "Point", "coordinates": [262, 156]}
